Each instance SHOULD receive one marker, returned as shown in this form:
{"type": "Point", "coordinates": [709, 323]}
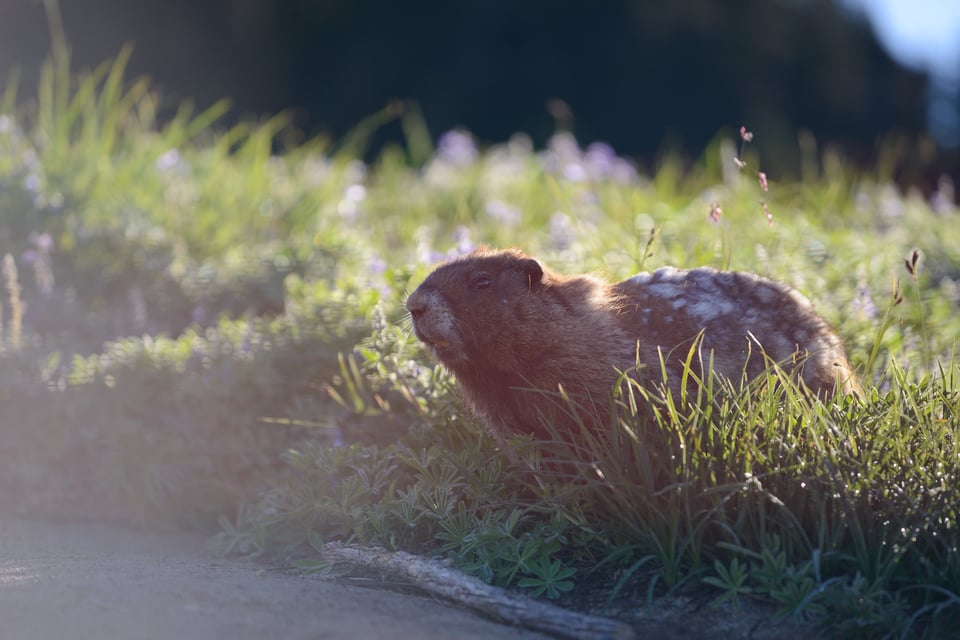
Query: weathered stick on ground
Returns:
{"type": "Point", "coordinates": [439, 579]}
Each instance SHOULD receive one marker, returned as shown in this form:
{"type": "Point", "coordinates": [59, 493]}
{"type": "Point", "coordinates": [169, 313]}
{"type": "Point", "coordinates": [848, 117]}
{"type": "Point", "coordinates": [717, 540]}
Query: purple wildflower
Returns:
{"type": "Point", "coordinates": [349, 205]}
{"type": "Point", "coordinates": [168, 161]}
{"type": "Point", "coordinates": [599, 159]}
{"type": "Point", "coordinates": [561, 231]}
{"type": "Point", "coordinates": [507, 215]}
{"type": "Point", "coordinates": [464, 242]}
{"type": "Point", "coordinates": [457, 147]}
{"type": "Point", "coordinates": [944, 199]}
{"type": "Point", "coordinates": [42, 241]}
{"type": "Point", "coordinates": [862, 304]}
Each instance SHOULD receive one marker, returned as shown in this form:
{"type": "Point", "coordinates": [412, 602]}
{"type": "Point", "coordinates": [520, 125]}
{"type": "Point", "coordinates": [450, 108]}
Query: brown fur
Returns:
{"type": "Point", "coordinates": [507, 327]}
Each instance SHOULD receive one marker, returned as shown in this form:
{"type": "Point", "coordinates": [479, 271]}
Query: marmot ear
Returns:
{"type": "Point", "coordinates": [534, 273]}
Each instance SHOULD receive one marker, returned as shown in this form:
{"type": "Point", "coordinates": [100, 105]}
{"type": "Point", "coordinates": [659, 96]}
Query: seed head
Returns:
{"type": "Point", "coordinates": [911, 262]}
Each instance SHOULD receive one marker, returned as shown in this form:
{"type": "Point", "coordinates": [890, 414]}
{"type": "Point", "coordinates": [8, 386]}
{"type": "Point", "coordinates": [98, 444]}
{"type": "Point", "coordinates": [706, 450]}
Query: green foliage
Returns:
{"type": "Point", "coordinates": [731, 580]}
{"type": "Point", "coordinates": [155, 429]}
{"type": "Point", "coordinates": [265, 283]}
{"type": "Point", "coordinates": [549, 578]}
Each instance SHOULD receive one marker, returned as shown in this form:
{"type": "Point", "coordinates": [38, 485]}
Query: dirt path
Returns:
{"type": "Point", "coordinates": [92, 581]}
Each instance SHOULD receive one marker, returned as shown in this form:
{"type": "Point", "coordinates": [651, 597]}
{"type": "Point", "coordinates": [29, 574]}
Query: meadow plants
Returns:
{"type": "Point", "coordinates": [183, 324]}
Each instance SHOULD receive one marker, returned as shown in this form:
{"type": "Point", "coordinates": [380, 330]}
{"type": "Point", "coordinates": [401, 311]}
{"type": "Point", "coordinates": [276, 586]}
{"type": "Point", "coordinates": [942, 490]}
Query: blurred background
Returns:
{"type": "Point", "coordinates": [643, 75]}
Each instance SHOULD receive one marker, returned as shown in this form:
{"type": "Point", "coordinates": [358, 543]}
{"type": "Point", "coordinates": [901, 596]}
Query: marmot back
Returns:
{"type": "Point", "coordinates": [514, 333]}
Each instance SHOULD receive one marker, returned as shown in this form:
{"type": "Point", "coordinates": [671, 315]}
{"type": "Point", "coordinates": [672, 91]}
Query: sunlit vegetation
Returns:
{"type": "Point", "coordinates": [202, 322]}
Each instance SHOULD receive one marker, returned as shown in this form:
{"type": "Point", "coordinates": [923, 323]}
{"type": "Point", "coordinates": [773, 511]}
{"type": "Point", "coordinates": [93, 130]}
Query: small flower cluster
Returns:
{"type": "Point", "coordinates": [38, 256]}
{"type": "Point", "coordinates": [20, 165]}
{"type": "Point", "coordinates": [463, 244]}
{"type": "Point", "coordinates": [862, 304]}
{"type": "Point", "coordinates": [505, 214]}
{"type": "Point", "coordinates": [458, 148]}
{"type": "Point", "coordinates": [171, 161]}
{"type": "Point", "coordinates": [11, 279]}
{"type": "Point", "coordinates": [563, 157]}
{"type": "Point", "coordinates": [376, 268]}
{"type": "Point", "coordinates": [597, 163]}
{"type": "Point", "coordinates": [455, 158]}
{"type": "Point", "coordinates": [496, 173]}
{"type": "Point", "coordinates": [741, 164]}
{"type": "Point", "coordinates": [715, 212]}
{"type": "Point", "coordinates": [944, 199]}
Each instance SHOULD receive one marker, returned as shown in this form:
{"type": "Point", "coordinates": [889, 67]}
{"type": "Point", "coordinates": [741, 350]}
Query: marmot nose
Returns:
{"type": "Point", "coordinates": [416, 304]}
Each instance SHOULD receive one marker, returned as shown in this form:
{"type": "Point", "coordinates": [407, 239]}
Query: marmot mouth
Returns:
{"type": "Point", "coordinates": [433, 343]}
{"type": "Point", "coordinates": [442, 350]}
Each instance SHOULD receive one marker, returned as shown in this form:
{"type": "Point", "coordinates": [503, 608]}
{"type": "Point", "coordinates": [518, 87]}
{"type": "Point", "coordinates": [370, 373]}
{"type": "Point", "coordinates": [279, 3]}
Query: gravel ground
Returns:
{"type": "Point", "coordinates": [96, 581]}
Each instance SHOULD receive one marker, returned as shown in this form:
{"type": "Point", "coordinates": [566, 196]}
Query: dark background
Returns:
{"type": "Point", "coordinates": [640, 74]}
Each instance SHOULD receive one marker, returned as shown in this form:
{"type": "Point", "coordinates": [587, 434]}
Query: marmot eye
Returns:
{"type": "Point", "coordinates": [481, 282]}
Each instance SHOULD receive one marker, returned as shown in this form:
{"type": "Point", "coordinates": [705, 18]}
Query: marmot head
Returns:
{"type": "Point", "coordinates": [475, 310]}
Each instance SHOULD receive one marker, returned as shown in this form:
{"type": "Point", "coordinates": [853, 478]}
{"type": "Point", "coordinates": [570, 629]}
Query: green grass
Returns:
{"type": "Point", "coordinates": [207, 322]}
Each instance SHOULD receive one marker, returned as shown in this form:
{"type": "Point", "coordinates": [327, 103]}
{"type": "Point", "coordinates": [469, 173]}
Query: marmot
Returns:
{"type": "Point", "coordinates": [507, 327]}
